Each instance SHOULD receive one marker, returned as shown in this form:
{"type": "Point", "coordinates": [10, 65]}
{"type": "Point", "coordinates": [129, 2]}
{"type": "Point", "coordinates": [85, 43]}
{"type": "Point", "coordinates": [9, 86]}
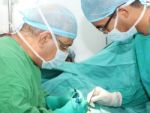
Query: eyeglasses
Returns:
{"type": "Point", "coordinates": [63, 46]}
{"type": "Point", "coordinates": [104, 28]}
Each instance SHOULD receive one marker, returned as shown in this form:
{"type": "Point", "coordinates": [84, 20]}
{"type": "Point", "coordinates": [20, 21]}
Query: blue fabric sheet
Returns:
{"type": "Point", "coordinates": [115, 68]}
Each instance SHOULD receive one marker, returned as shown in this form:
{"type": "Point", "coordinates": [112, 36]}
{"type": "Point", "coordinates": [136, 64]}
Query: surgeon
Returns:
{"type": "Point", "coordinates": [119, 20]}
{"type": "Point", "coordinates": [42, 42]}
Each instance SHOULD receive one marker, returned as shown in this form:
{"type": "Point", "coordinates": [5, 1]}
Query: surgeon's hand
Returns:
{"type": "Point", "coordinates": [73, 107]}
{"type": "Point", "coordinates": [103, 97]}
{"type": "Point", "coordinates": [55, 102]}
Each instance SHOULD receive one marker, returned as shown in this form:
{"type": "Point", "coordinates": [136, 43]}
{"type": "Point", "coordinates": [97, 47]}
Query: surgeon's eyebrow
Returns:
{"type": "Point", "coordinates": [67, 45]}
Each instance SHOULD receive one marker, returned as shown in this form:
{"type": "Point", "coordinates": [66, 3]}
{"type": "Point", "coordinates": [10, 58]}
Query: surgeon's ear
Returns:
{"type": "Point", "coordinates": [44, 38]}
{"type": "Point", "coordinates": [123, 13]}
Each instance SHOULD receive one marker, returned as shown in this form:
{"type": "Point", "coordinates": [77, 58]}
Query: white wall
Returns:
{"type": "Point", "coordinates": [3, 16]}
{"type": "Point", "coordinates": [89, 40]}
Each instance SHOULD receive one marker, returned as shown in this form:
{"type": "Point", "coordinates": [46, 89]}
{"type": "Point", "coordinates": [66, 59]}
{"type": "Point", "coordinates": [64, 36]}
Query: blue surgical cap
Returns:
{"type": "Point", "coordinates": [145, 2]}
{"type": "Point", "coordinates": [59, 18]}
{"type": "Point", "coordinates": [96, 10]}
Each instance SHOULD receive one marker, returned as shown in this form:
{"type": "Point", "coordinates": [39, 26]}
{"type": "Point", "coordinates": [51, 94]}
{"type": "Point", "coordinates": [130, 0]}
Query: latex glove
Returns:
{"type": "Point", "coordinates": [54, 102]}
{"type": "Point", "coordinates": [103, 97]}
{"type": "Point", "coordinates": [73, 107]}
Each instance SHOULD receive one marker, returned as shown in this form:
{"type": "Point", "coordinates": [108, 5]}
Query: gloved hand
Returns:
{"type": "Point", "coordinates": [103, 97]}
{"type": "Point", "coordinates": [73, 107]}
{"type": "Point", "coordinates": [54, 102]}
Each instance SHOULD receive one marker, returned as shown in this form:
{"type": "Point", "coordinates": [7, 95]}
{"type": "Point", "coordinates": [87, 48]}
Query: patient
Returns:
{"type": "Point", "coordinates": [114, 69]}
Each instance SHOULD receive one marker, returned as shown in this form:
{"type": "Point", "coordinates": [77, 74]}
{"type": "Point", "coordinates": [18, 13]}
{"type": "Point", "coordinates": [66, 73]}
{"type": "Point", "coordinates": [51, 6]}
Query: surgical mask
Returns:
{"type": "Point", "coordinates": [59, 59]}
{"type": "Point", "coordinates": [60, 56]}
{"type": "Point", "coordinates": [116, 35]}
